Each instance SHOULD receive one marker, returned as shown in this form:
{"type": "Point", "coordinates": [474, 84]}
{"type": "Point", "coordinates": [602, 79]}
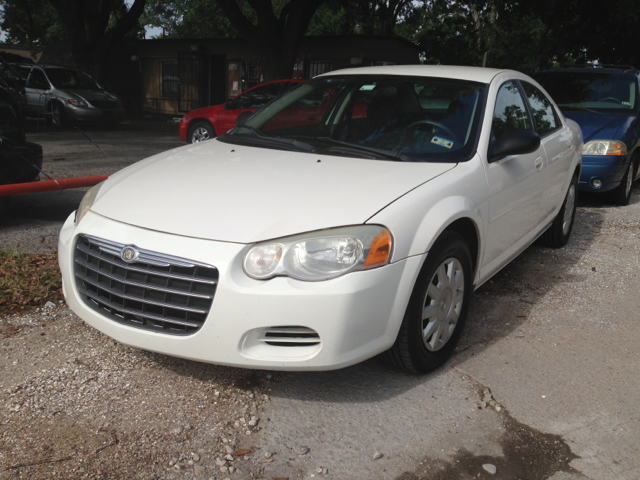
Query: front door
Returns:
{"type": "Point", "coordinates": [517, 184]}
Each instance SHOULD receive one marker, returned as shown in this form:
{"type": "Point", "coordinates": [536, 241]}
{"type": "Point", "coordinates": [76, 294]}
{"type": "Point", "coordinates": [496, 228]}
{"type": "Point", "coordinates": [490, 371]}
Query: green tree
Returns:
{"type": "Point", "coordinates": [29, 22]}
{"type": "Point", "coordinates": [188, 19]}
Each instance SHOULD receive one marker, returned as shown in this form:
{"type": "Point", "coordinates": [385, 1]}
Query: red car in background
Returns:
{"type": "Point", "coordinates": [209, 122]}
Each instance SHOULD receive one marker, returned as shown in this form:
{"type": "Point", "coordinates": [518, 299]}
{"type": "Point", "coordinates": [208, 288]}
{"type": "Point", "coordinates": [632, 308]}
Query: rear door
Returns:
{"type": "Point", "coordinates": [556, 140]}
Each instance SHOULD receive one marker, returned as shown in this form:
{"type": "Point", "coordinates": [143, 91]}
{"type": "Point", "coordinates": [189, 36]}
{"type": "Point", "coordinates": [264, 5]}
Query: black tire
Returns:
{"type": "Point", "coordinates": [410, 351]}
{"type": "Point", "coordinates": [557, 235]}
{"type": "Point", "coordinates": [622, 194]}
{"type": "Point", "coordinates": [200, 131]}
{"type": "Point", "coordinates": [5, 203]}
{"type": "Point", "coordinates": [58, 115]}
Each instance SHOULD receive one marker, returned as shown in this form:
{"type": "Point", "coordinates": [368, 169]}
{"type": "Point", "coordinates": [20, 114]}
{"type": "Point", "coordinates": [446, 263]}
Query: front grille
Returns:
{"type": "Point", "coordinates": [290, 337]}
{"type": "Point", "coordinates": [154, 292]}
{"type": "Point", "coordinates": [104, 103]}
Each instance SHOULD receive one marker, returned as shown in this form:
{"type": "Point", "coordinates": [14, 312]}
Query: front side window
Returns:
{"type": "Point", "coordinates": [510, 112]}
{"type": "Point", "coordinates": [606, 92]}
{"type": "Point", "coordinates": [544, 116]}
{"type": "Point", "coordinates": [373, 116]}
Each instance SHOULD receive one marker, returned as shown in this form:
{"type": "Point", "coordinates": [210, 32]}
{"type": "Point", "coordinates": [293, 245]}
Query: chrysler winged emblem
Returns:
{"type": "Point", "coordinates": [129, 254]}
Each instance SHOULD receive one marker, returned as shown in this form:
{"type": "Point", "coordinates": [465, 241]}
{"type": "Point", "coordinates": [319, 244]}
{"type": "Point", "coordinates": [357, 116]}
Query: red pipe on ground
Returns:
{"type": "Point", "coordinates": [48, 185]}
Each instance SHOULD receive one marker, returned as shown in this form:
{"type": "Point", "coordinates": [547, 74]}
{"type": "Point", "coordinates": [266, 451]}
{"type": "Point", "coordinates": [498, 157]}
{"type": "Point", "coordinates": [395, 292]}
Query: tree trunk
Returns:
{"type": "Point", "coordinates": [275, 40]}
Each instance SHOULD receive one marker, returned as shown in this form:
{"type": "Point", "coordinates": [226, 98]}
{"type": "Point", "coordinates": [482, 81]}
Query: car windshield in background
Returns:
{"type": "Point", "coordinates": [395, 117]}
{"type": "Point", "coordinates": [63, 78]}
{"type": "Point", "coordinates": [608, 92]}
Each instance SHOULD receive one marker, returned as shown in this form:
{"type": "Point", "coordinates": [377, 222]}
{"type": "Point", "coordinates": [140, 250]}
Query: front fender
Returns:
{"type": "Point", "coordinates": [417, 219]}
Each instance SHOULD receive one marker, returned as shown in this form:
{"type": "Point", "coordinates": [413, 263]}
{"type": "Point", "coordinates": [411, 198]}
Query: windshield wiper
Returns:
{"type": "Point", "coordinates": [304, 147]}
{"type": "Point", "coordinates": [570, 107]}
{"type": "Point", "coordinates": [379, 154]}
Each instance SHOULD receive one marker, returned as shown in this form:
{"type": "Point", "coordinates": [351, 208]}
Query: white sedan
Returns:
{"type": "Point", "coordinates": [354, 215]}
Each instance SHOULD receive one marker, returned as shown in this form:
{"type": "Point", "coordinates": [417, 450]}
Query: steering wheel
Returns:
{"type": "Point", "coordinates": [611, 98]}
{"type": "Point", "coordinates": [439, 126]}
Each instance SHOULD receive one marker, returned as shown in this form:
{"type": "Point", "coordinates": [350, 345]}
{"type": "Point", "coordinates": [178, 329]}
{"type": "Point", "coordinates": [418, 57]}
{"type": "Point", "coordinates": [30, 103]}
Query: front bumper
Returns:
{"type": "Point", "coordinates": [93, 114]}
{"type": "Point", "coordinates": [356, 316]}
{"type": "Point", "coordinates": [609, 169]}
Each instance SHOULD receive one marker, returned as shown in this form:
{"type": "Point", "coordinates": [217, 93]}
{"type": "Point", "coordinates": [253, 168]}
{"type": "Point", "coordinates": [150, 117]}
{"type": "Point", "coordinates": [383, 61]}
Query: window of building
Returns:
{"type": "Point", "coordinates": [250, 74]}
{"type": "Point", "coordinates": [317, 67]}
{"type": "Point", "coordinates": [170, 79]}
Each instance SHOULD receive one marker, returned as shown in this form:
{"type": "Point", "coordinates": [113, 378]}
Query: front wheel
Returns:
{"type": "Point", "coordinates": [622, 194]}
{"type": "Point", "coordinates": [58, 115]}
{"type": "Point", "coordinates": [557, 235]}
{"type": "Point", "coordinates": [200, 131]}
{"type": "Point", "coordinates": [437, 309]}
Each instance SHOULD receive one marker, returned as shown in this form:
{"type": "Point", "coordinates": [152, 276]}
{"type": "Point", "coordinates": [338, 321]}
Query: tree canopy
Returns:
{"type": "Point", "coordinates": [519, 34]}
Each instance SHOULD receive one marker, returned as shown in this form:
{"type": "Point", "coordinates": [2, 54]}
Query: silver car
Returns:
{"type": "Point", "coordinates": [63, 94]}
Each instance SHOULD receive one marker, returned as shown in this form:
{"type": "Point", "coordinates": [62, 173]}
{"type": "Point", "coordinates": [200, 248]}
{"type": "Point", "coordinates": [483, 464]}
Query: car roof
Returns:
{"type": "Point", "coordinates": [475, 74]}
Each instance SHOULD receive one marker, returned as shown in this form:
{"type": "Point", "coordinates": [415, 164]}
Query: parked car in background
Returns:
{"type": "Point", "coordinates": [605, 102]}
{"type": "Point", "coordinates": [210, 122]}
{"type": "Point", "coordinates": [316, 245]}
{"type": "Point", "coordinates": [63, 94]}
{"type": "Point", "coordinates": [19, 159]}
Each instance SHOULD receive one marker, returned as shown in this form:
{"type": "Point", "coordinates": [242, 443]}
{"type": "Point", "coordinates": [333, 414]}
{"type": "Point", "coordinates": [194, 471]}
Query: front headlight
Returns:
{"type": "Point", "coordinates": [77, 103]}
{"type": "Point", "coordinates": [87, 202]}
{"type": "Point", "coordinates": [604, 147]}
{"type": "Point", "coordinates": [320, 255]}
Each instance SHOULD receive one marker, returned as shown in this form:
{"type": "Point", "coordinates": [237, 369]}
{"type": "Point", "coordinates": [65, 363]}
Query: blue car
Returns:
{"type": "Point", "coordinates": [605, 102]}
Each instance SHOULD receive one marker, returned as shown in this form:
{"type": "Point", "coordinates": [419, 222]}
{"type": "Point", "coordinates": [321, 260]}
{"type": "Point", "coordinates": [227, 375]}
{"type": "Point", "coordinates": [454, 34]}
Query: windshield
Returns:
{"type": "Point", "coordinates": [605, 92]}
{"type": "Point", "coordinates": [63, 78]}
{"type": "Point", "coordinates": [372, 116]}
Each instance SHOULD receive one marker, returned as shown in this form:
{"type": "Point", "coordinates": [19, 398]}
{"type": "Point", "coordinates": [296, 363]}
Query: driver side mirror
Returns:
{"type": "Point", "coordinates": [514, 142]}
{"type": "Point", "coordinates": [243, 117]}
{"type": "Point", "coordinates": [230, 104]}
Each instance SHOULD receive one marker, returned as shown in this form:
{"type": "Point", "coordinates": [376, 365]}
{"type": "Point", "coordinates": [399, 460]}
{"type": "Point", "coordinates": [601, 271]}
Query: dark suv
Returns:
{"type": "Point", "coordinates": [18, 158]}
{"type": "Point", "coordinates": [605, 102]}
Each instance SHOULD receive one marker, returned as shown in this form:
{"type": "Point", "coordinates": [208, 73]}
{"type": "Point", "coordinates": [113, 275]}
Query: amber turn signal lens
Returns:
{"type": "Point", "coordinates": [380, 250]}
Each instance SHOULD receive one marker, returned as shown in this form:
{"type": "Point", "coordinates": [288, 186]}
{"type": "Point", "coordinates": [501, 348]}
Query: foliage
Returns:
{"type": "Point", "coordinates": [29, 22]}
{"type": "Point", "coordinates": [188, 19]}
{"type": "Point", "coordinates": [28, 280]}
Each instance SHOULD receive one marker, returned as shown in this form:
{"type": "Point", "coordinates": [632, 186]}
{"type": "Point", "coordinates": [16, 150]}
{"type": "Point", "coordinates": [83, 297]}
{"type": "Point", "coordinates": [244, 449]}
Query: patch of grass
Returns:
{"type": "Point", "coordinates": [28, 280]}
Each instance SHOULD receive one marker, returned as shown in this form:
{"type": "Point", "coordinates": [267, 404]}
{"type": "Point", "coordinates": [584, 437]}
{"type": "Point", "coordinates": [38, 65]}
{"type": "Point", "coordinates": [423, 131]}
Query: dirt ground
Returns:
{"type": "Point", "coordinates": [76, 404]}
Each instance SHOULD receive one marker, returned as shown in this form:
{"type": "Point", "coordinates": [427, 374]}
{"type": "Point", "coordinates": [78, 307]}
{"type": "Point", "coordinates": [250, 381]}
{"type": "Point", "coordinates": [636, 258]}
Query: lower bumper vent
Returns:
{"type": "Point", "coordinates": [290, 337]}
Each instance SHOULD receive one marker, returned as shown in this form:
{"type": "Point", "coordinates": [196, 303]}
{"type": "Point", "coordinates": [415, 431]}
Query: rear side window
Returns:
{"type": "Point", "coordinates": [510, 112]}
{"type": "Point", "coordinates": [544, 116]}
{"type": "Point", "coordinates": [37, 80]}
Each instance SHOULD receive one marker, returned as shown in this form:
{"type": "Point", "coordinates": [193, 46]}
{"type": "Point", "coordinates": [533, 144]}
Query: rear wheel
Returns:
{"type": "Point", "coordinates": [200, 131]}
{"type": "Point", "coordinates": [557, 235]}
{"type": "Point", "coordinates": [437, 309]}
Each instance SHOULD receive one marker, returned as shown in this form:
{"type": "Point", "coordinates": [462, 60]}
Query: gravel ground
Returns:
{"type": "Point", "coordinates": [76, 404]}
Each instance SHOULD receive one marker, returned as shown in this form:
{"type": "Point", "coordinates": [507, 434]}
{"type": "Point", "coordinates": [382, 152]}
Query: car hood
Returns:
{"type": "Point", "coordinates": [600, 127]}
{"type": "Point", "coordinates": [241, 194]}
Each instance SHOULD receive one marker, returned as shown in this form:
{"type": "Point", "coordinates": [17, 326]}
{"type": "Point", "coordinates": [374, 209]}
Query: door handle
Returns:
{"type": "Point", "coordinates": [539, 163]}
